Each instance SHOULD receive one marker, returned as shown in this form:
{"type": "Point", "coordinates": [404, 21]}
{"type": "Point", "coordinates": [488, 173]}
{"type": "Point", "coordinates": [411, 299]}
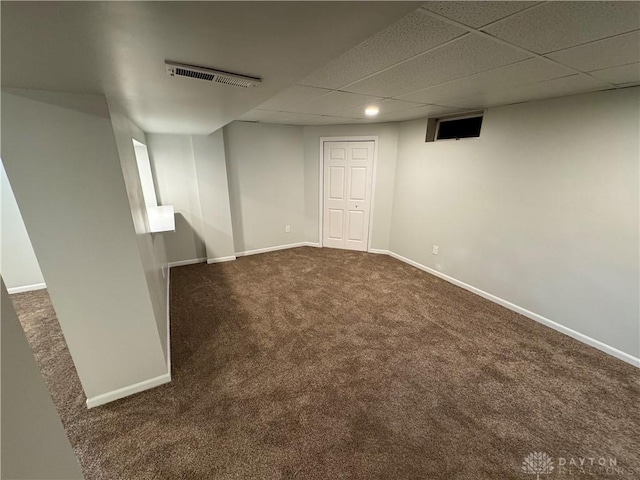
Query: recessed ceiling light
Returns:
{"type": "Point", "coordinates": [371, 111]}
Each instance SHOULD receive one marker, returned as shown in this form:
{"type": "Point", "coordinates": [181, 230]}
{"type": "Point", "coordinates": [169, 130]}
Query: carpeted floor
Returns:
{"type": "Point", "coordinates": [328, 364]}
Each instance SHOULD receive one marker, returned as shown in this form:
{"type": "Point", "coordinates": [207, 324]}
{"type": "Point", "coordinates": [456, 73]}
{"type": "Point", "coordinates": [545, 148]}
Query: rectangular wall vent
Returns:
{"type": "Point", "coordinates": [210, 75]}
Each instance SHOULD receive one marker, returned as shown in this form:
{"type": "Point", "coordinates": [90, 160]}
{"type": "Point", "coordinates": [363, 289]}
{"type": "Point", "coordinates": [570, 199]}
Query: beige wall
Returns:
{"type": "Point", "coordinates": [34, 444]}
{"type": "Point", "coordinates": [191, 174]}
{"type": "Point", "coordinates": [151, 246]}
{"type": "Point", "coordinates": [387, 134]}
{"type": "Point", "coordinates": [234, 190]}
{"type": "Point", "coordinates": [274, 181]}
{"type": "Point", "coordinates": [18, 261]}
{"type": "Point", "coordinates": [174, 170]}
{"type": "Point", "coordinates": [270, 180]}
{"type": "Point", "coordinates": [61, 158]}
{"type": "Point", "coordinates": [265, 165]}
{"type": "Point", "coordinates": [542, 210]}
{"type": "Point", "coordinates": [213, 187]}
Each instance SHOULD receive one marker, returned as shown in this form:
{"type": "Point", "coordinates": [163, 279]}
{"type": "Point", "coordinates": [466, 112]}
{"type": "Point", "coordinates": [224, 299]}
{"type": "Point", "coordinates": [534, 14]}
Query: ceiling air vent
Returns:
{"type": "Point", "coordinates": [215, 76]}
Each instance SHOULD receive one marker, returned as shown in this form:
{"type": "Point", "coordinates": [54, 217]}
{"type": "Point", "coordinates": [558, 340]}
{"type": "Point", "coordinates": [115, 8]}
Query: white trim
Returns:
{"type": "Point", "coordinates": [277, 247]}
{"type": "Point", "coordinates": [356, 138]}
{"type": "Point", "coordinates": [321, 188]}
{"type": "Point", "coordinates": [181, 263]}
{"type": "Point", "coordinates": [635, 361]}
{"type": "Point", "coordinates": [146, 384]}
{"type": "Point", "coordinates": [126, 391]}
{"type": "Point", "coordinates": [378, 251]}
{"type": "Point", "coordinates": [169, 321]}
{"type": "Point", "coordinates": [27, 288]}
{"type": "Point", "coordinates": [220, 259]}
{"type": "Point", "coordinates": [373, 191]}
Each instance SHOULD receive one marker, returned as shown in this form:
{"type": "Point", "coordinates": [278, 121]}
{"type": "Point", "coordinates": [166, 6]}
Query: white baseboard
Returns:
{"type": "Point", "coordinates": [500, 301]}
{"type": "Point", "coordinates": [126, 391]}
{"type": "Point", "coordinates": [169, 324]}
{"type": "Point", "coordinates": [181, 263]}
{"type": "Point", "coordinates": [27, 288]}
{"type": "Point", "coordinates": [277, 247]}
{"type": "Point", "coordinates": [635, 361]}
{"type": "Point", "coordinates": [146, 384]}
{"type": "Point", "coordinates": [220, 259]}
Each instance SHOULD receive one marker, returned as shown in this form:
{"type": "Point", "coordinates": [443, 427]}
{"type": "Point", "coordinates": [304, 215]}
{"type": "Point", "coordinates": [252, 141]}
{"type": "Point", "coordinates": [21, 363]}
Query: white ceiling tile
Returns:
{"type": "Point", "coordinates": [467, 56]}
{"type": "Point", "coordinates": [558, 25]}
{"type": "Point", "coordinates": [265, 116]}
{"type": "Point", "coordinates": [630, 84]}
{"type": "Point", "coordinates": [477, 14]}
{"type": "Point", "coordinates": [418, 112]}
{"type": "Point", "coordinates": [288, 118]}
{"type": "Point", "coordinates": [385, 107]}
{"type": "Point", "coordinates": [622, 75]}
{"type": "Point", "coordinates": [254, 116]}
{"type": "Point", "coordinates": [611, 52]}
{"type": "Point", "coordinates": [389, 114]}
{"type": "Point", "coordinates": [528, 71]}
{"type": "Point", "coordinates": [292, 97]}
{"type": "Point", "coordinates": [410, 36]}
{"type": "Point", "coordinates": [332, 102]}
{"type": "Point", "coordinates": [331, 120]}
{"type": "Point", "coordinates": [558, 87]}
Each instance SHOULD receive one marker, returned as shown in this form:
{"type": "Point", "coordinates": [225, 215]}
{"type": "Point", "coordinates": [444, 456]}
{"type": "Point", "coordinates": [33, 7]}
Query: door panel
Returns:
{"type": "Point", "coordinates": [360, 154]}
{"type": "Point", "coordinates": [356, 225]}
{"type": "Point", "coordinates": [336, 183]}
{"type": "Point", "coordinates": [338, 153]}
{"type": "Point", "coordinates": [336, 222]}
{"type": "Point", "coordinates": [358, 187]}
{"type": "Point", "coordinates": [347, 173]}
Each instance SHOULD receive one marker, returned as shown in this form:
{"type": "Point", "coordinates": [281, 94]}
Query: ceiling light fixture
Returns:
{"type": "Point", "coordinates": [371, 111]}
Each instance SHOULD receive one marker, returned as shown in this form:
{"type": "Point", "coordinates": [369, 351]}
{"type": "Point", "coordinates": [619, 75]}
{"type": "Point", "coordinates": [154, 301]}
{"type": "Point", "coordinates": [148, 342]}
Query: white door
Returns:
{"type": "Point", "coordinates": [348, 173]}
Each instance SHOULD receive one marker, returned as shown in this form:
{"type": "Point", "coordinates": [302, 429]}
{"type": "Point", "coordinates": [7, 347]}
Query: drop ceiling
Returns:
{"type": "Point", "coordinates": [118, 49]}
{"type": "Point", "coordinates": [449, 57]}
{"type": "Point", "coordinates": [321, 62]}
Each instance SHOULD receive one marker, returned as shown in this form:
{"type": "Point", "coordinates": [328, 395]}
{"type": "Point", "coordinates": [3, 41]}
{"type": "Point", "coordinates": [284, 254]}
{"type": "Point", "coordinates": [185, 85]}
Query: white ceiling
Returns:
{"type": "Point", "coordinates": [119, 49]}
{"type": "Point", "coordinates": [449, 57]}
{"type": "Point", "coordinates": [321, 62]}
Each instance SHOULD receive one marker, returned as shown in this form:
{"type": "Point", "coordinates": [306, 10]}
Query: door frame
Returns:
{"type": "Point", "coordinates": [358, 138]}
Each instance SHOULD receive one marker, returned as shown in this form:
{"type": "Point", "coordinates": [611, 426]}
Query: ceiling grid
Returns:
{"type": "Point", "coordinates": [480, 55]}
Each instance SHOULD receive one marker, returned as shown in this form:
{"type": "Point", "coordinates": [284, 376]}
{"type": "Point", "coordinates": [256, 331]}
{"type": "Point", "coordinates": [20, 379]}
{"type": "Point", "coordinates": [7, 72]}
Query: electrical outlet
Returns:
{"type": "Point", "coordinates": [435, 249]}
{"type": "Point", "coordinates": [287, 228]}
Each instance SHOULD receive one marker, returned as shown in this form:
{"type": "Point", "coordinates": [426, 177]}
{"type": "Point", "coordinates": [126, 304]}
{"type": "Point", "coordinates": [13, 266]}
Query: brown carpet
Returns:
{"type": "Point", "coordinates": [328, 364]}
